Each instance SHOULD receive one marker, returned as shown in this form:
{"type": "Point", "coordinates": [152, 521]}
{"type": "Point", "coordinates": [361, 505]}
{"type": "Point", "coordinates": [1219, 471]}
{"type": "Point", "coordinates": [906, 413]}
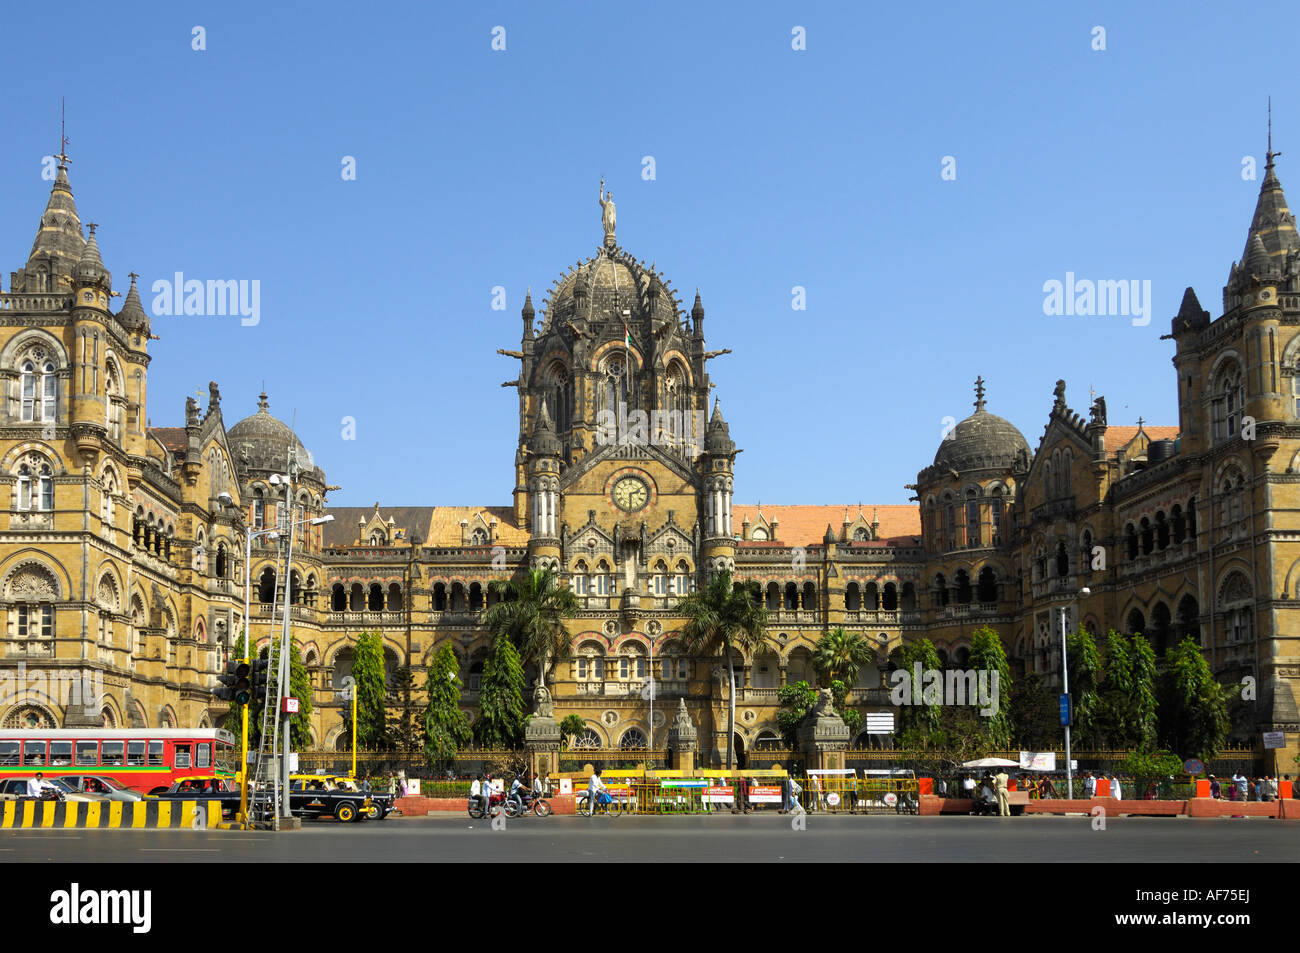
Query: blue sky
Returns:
{"type": "Point", "coordinates": [774, 168]}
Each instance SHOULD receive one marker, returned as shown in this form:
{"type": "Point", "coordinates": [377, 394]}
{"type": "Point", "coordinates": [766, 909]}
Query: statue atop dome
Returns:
{"type": "Point", "coordinates": [607, 218]}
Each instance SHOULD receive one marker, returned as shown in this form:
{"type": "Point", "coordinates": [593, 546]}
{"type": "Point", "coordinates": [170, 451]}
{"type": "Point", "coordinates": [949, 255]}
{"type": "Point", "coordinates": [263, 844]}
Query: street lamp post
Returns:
{"type": "Point", "coordinates": [249, 535]}
{"type": "Point", "coordinates": [1069, 707]}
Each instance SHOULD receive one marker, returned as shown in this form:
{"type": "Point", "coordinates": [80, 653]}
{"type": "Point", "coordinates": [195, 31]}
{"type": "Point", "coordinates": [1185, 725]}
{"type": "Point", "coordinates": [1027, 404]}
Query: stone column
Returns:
{"type": "Point", "coordinates": [683, 739]}
{"type": "Point", "coordinates": [823, 736]}
{"type": "Point", "coordinates": [542, 737]}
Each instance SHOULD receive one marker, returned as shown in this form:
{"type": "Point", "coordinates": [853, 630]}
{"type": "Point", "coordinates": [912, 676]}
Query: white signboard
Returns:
{"type": "Point", "coordinates": [1275, 739]}
{"type": "Point", "coordinates": [880, 722]}
{"type": "Point", "coordinates": [566, 785]}
{"type": "Point", "coordinates": [412, 787]}
{"type": "Point", "coordinates": [1038, 760]}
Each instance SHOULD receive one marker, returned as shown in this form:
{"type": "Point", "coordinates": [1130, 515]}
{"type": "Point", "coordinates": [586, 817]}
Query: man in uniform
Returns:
{"type": "Point", "coordinates": [1004, 803]}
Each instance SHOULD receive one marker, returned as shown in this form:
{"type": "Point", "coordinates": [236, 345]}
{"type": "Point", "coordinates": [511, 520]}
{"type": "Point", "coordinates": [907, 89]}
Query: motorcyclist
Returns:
{"type": "Point", "coordinates": [37, 786]}
{"type": "Point", "coordinates": [517, 791]}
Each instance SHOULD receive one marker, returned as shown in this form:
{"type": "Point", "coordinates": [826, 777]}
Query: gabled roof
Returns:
{"type": "Point", "coordinates": [1119, 437]}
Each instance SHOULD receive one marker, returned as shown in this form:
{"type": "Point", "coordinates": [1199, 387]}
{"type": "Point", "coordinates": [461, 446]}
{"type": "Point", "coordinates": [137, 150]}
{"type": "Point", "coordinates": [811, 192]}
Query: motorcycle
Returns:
{"type": "Point", "coordinates": [496, 804]}
{"type": "Point", "coordinates": [531, 805]}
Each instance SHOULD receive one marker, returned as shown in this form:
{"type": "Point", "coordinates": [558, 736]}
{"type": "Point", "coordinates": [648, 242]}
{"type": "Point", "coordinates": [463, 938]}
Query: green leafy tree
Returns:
{"type": "Point", "coordinates": [446, 726]}
{"type": "Point", "coordinates": [531, 613]}
{"type": "Point", "coordinates": [840, 655]}
{"type": "Point", "coordinates": [724, 618]}
{"type": "Point", "coordinates": [1146, 679]}
{"type": "Point", "coordinates": [299, 687]}
{"type": "Point", "coordinates": [917, 717]}
{"type": "Point", "coordinates": [1035, 714]}
{"type": "Point", "coordinates": [1193, 706]}
{"type": "Point", "coordinates": [1117, 721]}
{"type": "Point", "coordinates": [1085, 678]}
{"type": "Point", "coordinates": [500, 701]}
{"type": "Point", "coordinates": [370, 686]}
{"type": "Point", "coordinates": [988, 655]}
{"type": "Point", "coordinates": [571, 727]}
{"type": "Point", "coordinates": [405, 727]}
{"type": "Point", "coordinates": [796, 701]}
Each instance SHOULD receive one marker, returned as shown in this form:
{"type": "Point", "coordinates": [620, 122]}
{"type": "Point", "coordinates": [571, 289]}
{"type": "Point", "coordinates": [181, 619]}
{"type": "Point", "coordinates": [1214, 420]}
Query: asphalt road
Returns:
{"type": "Point", "coordinates": [762, 838]}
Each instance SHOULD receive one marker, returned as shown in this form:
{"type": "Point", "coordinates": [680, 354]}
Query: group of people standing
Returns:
{"type": "Point", "coordinates": [1242, 788]}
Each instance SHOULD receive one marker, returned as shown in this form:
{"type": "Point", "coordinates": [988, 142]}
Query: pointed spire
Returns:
{"type": "Point", "coordinates": [545, 443]}
{"type": "Point", "coordinates": [1273, 224]}
{"type": "Point", "coordinates": [132, 316]}
{"type": "Point", "coordinates": [528, 311]}
{"type": "Point", "coordinates": [979, 395]}
{"type": "Point", "coordinates": [829, 536]}
{"type": "Point", "coordinates": [90, 268]}
{"type": "Point", "coordinates": [1191, 316]}
{"type": "Point", "coordinates": [58, 244]}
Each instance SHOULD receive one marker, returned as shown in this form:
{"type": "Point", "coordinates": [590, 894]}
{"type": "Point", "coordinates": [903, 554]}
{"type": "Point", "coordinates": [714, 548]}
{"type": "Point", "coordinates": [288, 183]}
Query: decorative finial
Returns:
{"type": "Point", "coordinates": [262, 405]}
{"type": "Point", "coordinates": [979, 394]}
{"type": "Point", "coordinates": [91, 226]}
{"type": "Point", "coordinates": [132, 275]}
{"type": "Point", "coordinates": [63, 132]}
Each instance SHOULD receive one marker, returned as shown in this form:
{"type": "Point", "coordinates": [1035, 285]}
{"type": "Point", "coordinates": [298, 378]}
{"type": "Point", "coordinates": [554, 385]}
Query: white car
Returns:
{"type": "Point", "coordinates": [12, 789]}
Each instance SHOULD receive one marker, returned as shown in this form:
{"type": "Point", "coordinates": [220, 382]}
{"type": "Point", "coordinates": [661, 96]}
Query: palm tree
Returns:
{"type": "Point", "coordinates": [531, 615]}
{"type": "Point", "coordinates": [840, 654]}
{"type": "Point", "coordinates": [723, 618]}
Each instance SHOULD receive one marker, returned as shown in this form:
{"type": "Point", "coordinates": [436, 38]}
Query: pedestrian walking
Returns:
{"type": "Point", "coordinates": [1089, 786]}
{"type": "Point", "coordinates": [1114, 787]}
{"type": "Point", "coordinates": [1215, 791]}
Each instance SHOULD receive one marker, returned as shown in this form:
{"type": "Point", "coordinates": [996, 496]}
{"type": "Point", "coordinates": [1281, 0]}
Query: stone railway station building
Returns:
{"type": "Point", "coordinates": [121, 557]}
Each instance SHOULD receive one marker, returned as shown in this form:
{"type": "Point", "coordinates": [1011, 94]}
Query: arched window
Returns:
{"type": "Point", "coordinates": [338, 598]}
{"type": "Point", "coordinates": [613, 385]}
{"type": "Point", "coordinates": [1148, 536]}
{"type": "Point", "coordinates": [852, 597]}
{"type": "Point", "coordinates": [682, 579]}
{"type": "Point", "coordinates": [221, 561]}
{"type": "Point", "coordinates": [995, 517]}
{"type": "Point", "coordinates": [259, 508]}
{"type": "Point", "coordinates": [578, 581]}
{"type": "Point", "coordinates": [964, 592]}
{"type": "Point", "coordinates": [660, 580]}
{"type": "Point", "coordinates": [972, 520]}
{"type": "Point", "coordinates": [1130, 541]}
{"type": "Point", "coordinates": [809, 596]}
{"type": "Point", "coordinates": [988, 586]}
{"type": "Point", "coordinates": [559, 393]}
{"type": "Point", "coordinates": [375, 598]}
{"type": "Point", "coordinates": [479, 537]}
{"type": "Point", "coordinates": [633, 740]}
{"type": "Point", "coordinates": [890, 601]}
{"type": "Point", "coordinates": [1226, 402]}
{"type": "Point", "coordinates": [940, 589]}
{"type": "Point", "coordinates": [38, 386]}
{"type": "Point", "coordinates": [603, 578]}
{"type": "Point", "coordinates": [439, 597]}
{"type": "Point", "coordinates": [475, 596]}
{"type": "Point", "coordinates": [1062, 560]}
{"type": "Point", "coordinates": [266, 586]}
{"type": "Point", "coordinates": [395, 600]}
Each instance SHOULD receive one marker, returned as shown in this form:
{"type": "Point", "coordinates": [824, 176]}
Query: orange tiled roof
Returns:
{"type": "Point", "coordinates": [444, 525]}
{"type": "Point", "coordinates": [806, 525]}
{"type": "Point", "coordinates": [1119, 437]}
{"type": "Point", "coordinates": [173, 438]}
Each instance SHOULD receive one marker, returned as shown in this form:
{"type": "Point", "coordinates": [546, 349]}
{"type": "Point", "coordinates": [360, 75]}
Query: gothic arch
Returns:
{"type": "Point", "coordinates": [32, 576]}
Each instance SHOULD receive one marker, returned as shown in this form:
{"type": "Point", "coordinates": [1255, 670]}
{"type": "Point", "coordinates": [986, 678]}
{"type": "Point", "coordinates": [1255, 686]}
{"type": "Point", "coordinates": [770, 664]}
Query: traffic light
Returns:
{"type": "Point", "coordinates": [261, 676]}
{"type": "Point", "coordinates": [243, 688]}
{"type": "Point", "coordinates": [226, 691]}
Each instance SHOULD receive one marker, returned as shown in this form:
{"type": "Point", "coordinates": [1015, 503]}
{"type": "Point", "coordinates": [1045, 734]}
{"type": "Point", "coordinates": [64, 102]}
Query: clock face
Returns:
{"type": "Point", "coordinates": [630, 494]}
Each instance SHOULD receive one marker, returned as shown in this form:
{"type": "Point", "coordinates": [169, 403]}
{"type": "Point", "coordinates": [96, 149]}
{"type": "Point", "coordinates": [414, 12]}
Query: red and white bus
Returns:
{"type": "Point", "coordinates": [143, 759]}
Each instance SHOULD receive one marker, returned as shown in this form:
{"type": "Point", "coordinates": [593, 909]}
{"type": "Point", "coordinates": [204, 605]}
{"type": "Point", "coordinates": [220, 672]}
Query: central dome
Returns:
{"type": "Point", "coordinates": [604, 287]}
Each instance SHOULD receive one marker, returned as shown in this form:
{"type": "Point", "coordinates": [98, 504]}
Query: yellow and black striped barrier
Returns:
{"type": "Point", "coordinates": [186, 815]}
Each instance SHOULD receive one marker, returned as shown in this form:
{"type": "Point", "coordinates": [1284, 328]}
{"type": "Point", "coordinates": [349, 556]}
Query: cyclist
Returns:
{"type": "Point", "coordinates": [595, 792]}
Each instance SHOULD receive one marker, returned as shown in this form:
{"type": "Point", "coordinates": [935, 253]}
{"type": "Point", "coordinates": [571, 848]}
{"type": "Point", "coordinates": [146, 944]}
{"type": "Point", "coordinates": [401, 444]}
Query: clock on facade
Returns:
{"type": "Point", "coordinates": [630, 494]}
